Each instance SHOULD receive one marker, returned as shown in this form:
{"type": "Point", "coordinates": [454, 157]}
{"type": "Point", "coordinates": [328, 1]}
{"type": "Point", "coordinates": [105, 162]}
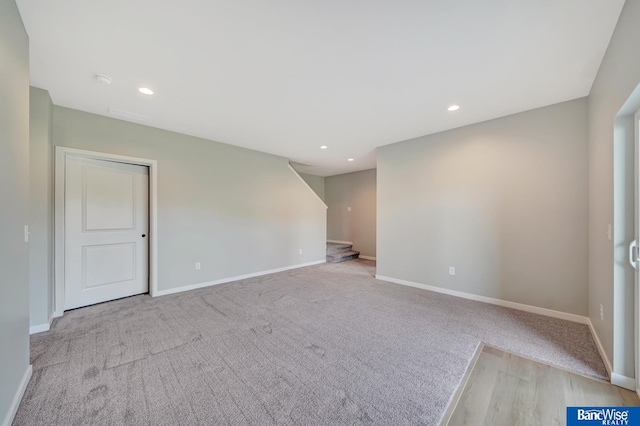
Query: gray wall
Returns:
{"type": "Point", "coordinates": [315, 182]}
{"type": "Point", "coordinates": [14, 196]}
{"type": "Point", "coordinates": [358, 191]}
{"type": "Point", "coordinates": [617, 78]}
{"type": "Point", "coordinates": [503, 201]}
{"type": "Point", "coordinates": [234, 210]}
{"type": "Point", "coordinates": [41, 207]}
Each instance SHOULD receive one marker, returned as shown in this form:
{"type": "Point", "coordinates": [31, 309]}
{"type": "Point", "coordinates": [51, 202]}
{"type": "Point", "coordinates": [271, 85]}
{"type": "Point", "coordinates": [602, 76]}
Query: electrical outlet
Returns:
{"type": "Point", "coordinates": [601, 313]}
{"type": "Point", "coordinates": [348, 209]}
{"type": "Point", "coordinates": [452, 270]}
{"type": "Point", "coordinates": [197, 266]}
{"type": "Point", "coordinates": [300, 251]}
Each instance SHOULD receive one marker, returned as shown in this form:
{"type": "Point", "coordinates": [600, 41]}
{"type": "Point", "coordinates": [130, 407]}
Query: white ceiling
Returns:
{"type": "Point", "coordinates": [286, 76]}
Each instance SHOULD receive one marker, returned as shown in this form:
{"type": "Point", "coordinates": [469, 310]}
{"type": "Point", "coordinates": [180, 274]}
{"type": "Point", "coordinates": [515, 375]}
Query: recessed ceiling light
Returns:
{"type": "Point", "coordinates": [323, 147]}
{"type": "Point", "coordinates": [145, 90]}
{"type": "Point", "coordinates": [454, 108]}
{"type": "Point", "coordinates": [350, 159]}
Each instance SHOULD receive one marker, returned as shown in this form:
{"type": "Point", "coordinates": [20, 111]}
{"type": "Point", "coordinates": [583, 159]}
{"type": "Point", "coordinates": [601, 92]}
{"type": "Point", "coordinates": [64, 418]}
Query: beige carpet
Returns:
{"type": "Point", "coordinates": [327, 344]}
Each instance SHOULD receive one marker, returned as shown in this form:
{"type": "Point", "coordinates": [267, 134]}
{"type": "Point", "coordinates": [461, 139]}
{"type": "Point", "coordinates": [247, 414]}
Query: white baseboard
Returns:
{"type": "Point", "coordinates": [339, 242]}
{"type": "Point", "coordinates": [615, 378]}
{"type": "Point", "coordinates": [367, 257]}
{"type": "Point", "coordinates": [623, 381]}
{"type": "Point", "coordinates": [40, 328]}
{"type": "Point", "coordinates": [603, 354]}
{"type": "Point", "coordinates": [491, 300]}
{"type": "Point", "coordinates": [231, 279]}
{"type": "Point", "coordinates": [13, 409]}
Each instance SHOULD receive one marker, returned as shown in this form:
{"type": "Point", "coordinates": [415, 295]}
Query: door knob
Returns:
{"type": "Point", "coordinates": [144, 235]}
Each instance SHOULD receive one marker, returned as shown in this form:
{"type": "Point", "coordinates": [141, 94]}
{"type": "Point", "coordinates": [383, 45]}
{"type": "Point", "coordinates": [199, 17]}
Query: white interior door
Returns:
{"type": "Point", "coordinates": [634, 257]}
{"type": "Point", "coordinates": [106, 231]}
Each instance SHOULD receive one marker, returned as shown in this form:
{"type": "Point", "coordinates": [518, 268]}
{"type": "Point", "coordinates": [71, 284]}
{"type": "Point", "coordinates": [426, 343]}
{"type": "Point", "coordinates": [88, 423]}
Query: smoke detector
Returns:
{"type": "Point", "coordinates": [102, 79]}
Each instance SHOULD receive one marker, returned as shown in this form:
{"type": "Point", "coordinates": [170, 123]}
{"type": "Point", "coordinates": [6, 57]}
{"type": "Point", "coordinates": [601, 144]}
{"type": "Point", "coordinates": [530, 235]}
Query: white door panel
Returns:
{"type": "Point", "coordinates": [97, 261]}
{"type": "Point", "coordinates": [106, 227]}
{"type": "Point", "coordinates": [109, 199]}
{"type": "Point", "coordinates": [633, 248]}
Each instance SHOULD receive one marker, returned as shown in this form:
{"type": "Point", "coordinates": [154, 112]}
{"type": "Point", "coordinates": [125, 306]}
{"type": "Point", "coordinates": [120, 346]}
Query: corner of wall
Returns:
{"type": "Point", "coordinates": [17, 398]}
{"type": "Point", "coordinates": [601, 351]}
{"type": "Point", "coordinates": [610, 203]}
{"type": "Point", "coordinates": [40, 207]}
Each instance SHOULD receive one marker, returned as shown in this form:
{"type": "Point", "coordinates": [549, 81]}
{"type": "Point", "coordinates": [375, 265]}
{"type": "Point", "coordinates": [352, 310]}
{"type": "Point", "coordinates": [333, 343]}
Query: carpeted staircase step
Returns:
{"type": "Point", "coordinates": [333, 248]}
{"type": "Point", "coordinates": [342, 256]}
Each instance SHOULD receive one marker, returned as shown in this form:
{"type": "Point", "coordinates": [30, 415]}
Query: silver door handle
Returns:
{"type": "Point", "coordinates": [633, 254]}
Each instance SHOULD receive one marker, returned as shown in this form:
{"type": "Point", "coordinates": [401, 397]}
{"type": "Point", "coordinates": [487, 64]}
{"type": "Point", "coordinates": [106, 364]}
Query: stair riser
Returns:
{"type": "Point", "coordinates": [335, 250]}
{"type": "Point", "coordinates": [342, 259]}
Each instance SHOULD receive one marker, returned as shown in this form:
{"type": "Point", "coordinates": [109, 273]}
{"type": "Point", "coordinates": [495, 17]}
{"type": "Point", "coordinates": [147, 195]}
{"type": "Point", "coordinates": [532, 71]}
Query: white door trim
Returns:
{"type": "Point", "coordinates": [59, 200]}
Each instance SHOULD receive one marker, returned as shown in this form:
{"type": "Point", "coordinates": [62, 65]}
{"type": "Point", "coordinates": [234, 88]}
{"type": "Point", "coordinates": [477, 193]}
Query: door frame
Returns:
{"type": "Point", "coordinates": [59, 214]}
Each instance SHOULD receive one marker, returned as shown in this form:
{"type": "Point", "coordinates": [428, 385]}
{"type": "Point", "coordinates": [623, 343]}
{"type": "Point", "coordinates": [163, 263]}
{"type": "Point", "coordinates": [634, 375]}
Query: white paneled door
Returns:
{"type": "Point", "coordinates": [106, 231]}
{"type": "Point", "coordinates": [634, 257]}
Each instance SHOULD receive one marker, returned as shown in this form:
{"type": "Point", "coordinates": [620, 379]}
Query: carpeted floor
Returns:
{"type": "Point", "coordinates": [327, 344]}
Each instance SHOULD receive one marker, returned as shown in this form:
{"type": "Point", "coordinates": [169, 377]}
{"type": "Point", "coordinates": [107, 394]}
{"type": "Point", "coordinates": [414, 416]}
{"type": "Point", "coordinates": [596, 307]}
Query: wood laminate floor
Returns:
{"type": "Point", "coordinates": [506, 389]}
